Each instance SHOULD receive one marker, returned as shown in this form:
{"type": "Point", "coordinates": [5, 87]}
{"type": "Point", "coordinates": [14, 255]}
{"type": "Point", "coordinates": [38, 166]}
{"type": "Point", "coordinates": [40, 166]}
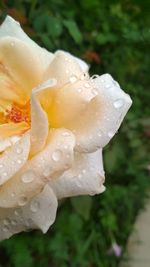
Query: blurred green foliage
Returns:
{"type": "Point", "coordinates": [113, 37]}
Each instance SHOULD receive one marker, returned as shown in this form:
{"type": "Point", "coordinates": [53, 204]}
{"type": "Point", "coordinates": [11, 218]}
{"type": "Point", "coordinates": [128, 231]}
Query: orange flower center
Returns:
{"type": "Point", "coordinates": [19, 113]}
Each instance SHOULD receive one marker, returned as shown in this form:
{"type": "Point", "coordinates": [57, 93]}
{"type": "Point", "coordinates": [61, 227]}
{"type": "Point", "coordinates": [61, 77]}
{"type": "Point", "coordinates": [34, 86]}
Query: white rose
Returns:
{"type": "Point", "coordinates": [54, 122]}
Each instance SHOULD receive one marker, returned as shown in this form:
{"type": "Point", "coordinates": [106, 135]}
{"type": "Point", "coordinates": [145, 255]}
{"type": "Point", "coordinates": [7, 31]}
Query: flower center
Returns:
{"type": "Point", "coordinates": [19, 113]}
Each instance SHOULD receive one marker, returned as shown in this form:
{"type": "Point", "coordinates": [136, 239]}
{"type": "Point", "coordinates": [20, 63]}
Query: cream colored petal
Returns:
{"type": "Point", "coordinates": [12, 160]}
{"type": "Point", "coordinates": [102, 118]}
{"type": "Point", "coordinates": [39, 119]}
{"type": "Point", "coordinates": [12, 28]}
{"type": "Point", "coordinates": [69, 102]}
{"type": "Point", "coordinates": [85, 177]}
{"type": "Point", "coordinates": [21, 62]}
{"type": "Point", "coordinates": [84, 66]}
{"type": "Point", "coordinates": [40, 214]}
{"type": "Point", "coordinates": [64, 68]}
{"type": "Point", "coordinates": [4, 144]}
{"type": "Point", "coordinates": [46, 165]}
{"type": "Point", "coordinates": [11, 129]}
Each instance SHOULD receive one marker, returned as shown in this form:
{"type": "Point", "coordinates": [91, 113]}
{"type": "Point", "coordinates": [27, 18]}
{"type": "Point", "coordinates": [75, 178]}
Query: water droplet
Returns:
{"type": "Point", "coordinates": [87, 85]}
{"type": "Point", "coordinates": [73, 79]}
{"type": "Point", "coordinates": [14, 222]}
{"type": "Point", "coordinates": [5, 228]}
{"type": "Point", "coordinates": [19, 161]}
{"type": "Point", "coordinates": [28, 177]}
{"type": "Point", "coordinates": [65, 133]}
{"type": "Point", "coordinates": [13, 194]}
{"type": "Point", "coordinates": [1, 166]}
{"type": "Point", "coordinates": [95, 76]}
{"type": "Point", "coordinates": [99, 134]}
{"type": "Point", "coordinates": [19, 150]}
{"type": "Point", "coordinates": [118, 103]}
{"type": "Point", "coordinates": [111, 134]}
{"type": "Point", "coordinates": [79, 175]}
{"type": "Point", "coordinates": [22, 200]}
{"type": "Point", "coordinates": [108, 85]}
{"type": "Point", "coordinates": [6, 221]}
{"type": "Point", "coordinates": [16, 212]}
{"type": "Point", "coordinates": [79, 90]}
{"type": "Point", "coordinates": [94, 91]}
{"type": "Point", "coordinates": [35, 205]}
{"type": "Point", "coordinates": [84, 171]}
{"type": "Point", "coordinates": [84, 76]}
{"type": "Point", "coordinates": [57, 154]}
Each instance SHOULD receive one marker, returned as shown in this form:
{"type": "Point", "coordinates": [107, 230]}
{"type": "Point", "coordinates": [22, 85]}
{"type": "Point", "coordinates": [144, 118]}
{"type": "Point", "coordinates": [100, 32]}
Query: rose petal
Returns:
{"type": "Point", "coordinates": [39, 125]}
{"type": "Point", "coordinates": [84, 66]}
{"type": "Point", "coordinates": [12, 28]}
{"type": "Point", "coordinates": [12, 161]}
{"type": "Point", "coordinates": [48, 164]}
{"type": "Point", "coordinates": [103, 115]}
{"type": "Point", "coordinates": [69, 102]}
{"type": "Point", "coordinates": [85, 177]}
{"type": "Point", "coordinates": [63, 68]}
{"type": "Point", "coordinates": [19, 59]}
{"type": "Point", "coordinates": [11, 129]}
{"type": "Point", "coordinates": [38, 214]}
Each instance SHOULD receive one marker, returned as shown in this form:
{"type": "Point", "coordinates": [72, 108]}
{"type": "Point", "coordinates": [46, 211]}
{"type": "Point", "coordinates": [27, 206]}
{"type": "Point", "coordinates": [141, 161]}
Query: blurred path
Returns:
{"type": "Point", "coordinates": [138, 247]}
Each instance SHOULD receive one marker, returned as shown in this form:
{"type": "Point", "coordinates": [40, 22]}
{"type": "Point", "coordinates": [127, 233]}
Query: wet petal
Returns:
{"type": "Point", "coordinates": [103, 115]}
{"type": "Point", "coordinates": [63, 68]}
{"type": "Point", "coordinates": [69, 102]}
{"type": "Point", "coordinates": [85, 177]}
{"type": "Point", "coordinates": [10, 129]}
{"type": "Point", "coordinates": [84, 66]}
{"type": "Point", "coordinates": [12, 160]}
{"type": "Point", "coordinates": [48, 164]}
{"type": "Point", "coordinates": [39, 122]}
{"type": "Point", "coordinates": [12, 28]}
{"type": "Point", "coordinates": [19, 59]}
{"type": "Point", "coordinates": [40, 214]}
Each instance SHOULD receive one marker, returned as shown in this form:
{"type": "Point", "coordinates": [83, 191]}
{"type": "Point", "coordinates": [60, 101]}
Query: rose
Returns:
{"type": "Point", "coordinates": [54, 122]}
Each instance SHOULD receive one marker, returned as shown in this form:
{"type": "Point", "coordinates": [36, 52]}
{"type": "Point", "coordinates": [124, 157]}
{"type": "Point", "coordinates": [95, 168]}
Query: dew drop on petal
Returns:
{"type": "Point", "coordinates": [118, 103]}
{"type": "Point", "coordinates": [14, 222]}
{"type": "Point", "coordinates": [4, 174]}
{"type": "Point", "coordinates": [6, 221]}
{"type": "Point", "coordinates": [111, 134]}
{"type": "Point", "coordinates": [22, 200]}
{"type": "Point", "coordinates": [19, 150]}
{"type": "Point", "coordinates": [84, 76]}
{"type": "Point", "coordinates": [28, 177]}
{"type": "Point", "coordinates": [19, 161]}
{"type": "Point", "coordinates": [66, 133]}
{"type": "Point", "coordinates": [94, 91]}
{"type": "Point", "coordinates": [108, 85]}
{"type": "Point", "coordinates": [73, 79]}
{"type": "Point", "coordinates": [35, 205]}
{"type": "Point", "coordinates": [87, 85]}
{"type": "Point", "coordinates": [5, 228]}
{"type": "Point", "coordinates": [56, 155]}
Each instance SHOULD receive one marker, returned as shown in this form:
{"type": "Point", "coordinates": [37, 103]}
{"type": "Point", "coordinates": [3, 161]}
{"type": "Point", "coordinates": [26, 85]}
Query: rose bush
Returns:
{"type": "Point", "coordinates": [54, 122]}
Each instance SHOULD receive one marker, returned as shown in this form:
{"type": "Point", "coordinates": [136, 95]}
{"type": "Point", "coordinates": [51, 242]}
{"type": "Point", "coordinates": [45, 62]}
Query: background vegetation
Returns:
{"type": "Point", "coordinates": [114, 37]}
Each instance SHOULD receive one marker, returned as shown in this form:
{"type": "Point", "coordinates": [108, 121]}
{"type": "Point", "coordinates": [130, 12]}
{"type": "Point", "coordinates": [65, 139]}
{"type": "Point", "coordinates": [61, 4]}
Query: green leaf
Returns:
{"type": "Point", "coordinates": [54, 26]}
{"type": "Point", "coordinates": [73, 30]}
{"type": "Point", "coordinates": [82, 206]}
